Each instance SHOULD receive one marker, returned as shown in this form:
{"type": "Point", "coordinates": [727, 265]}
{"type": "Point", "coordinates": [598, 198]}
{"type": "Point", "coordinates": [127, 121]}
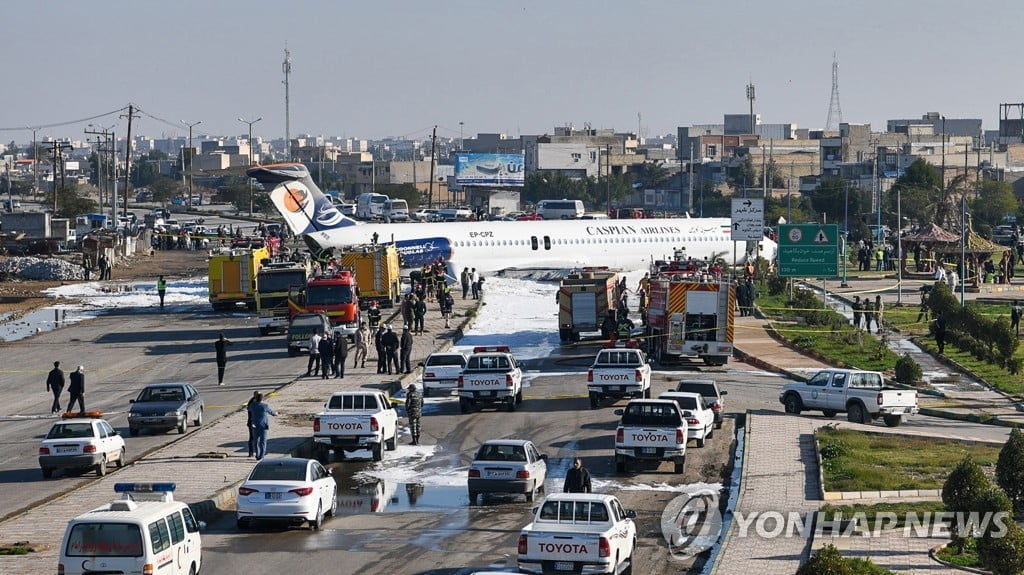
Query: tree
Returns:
{"type": "Point", "coordinates": [71, 203]}
{"type": "Point", "coordinates": [1005, 555]}
{"type": "Point", "coordinates": [962, 491]}
{"type": "Point", "coordinates": [920, 190]}
{"type": "Point", "coordinates": [1010, 469]}
{"type": "Point", "coordinates": [599, 189]}
{"type": "Point", "coordinates": [826, 561]}
{"type": "Point", "coordinates": [407, 192]}
{"type": "Point", "coordinates": [551, 186]}
{"type": "Point", "coordinates": [164, 189]}
{"type": "Point", "coordinates": [743, 174]}
{"type": "Point", "coordinates": [652, 176]}
{"type": "Point", "coordinates": [995, 200]}
{"type": "Point", "coordinates": [830, 198]}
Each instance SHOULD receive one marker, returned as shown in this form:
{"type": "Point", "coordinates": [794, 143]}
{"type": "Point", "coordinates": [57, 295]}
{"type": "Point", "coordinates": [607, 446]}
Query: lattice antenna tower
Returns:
{"type": "Point", "coordinates": [835, 112]}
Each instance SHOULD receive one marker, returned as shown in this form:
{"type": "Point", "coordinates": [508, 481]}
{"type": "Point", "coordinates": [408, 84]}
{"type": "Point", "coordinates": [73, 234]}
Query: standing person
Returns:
{"type": "Point", "coordinates": [161, 289]}
{"type": "Point", "coordinates": [856, 307]}
{"type": "Point", "coordinates": [474, 283]}
{"type": "Point", "coordinates": [340, 355]}
{"type": "Point", "coordinates": [940, 332]}
{"type": "Point", "coordinates": [463, 278]}
{"type": "Point", "coordinates": [313, 365]}
{"type": "Point", "coordinates": [869, 315]}
{"type": "Point", "coordinates": [258, 412]}
{"type": "Point", "coordinates": [86, 267]}
{"type": "Point", "coordinates": [1015, 312]}
{"type": "Point", "coordinates": [407, 308]}
{"type": "Point", "coordinates": [414, 409]}
{"type": "Point", "coordinates": [419, 313]}
{"type": "Point", "coordinates": [248, 422]}
{"type": "Point", "coordinates": [378, 343]}
{"type": "Point", "coordinates": [103, 265]}
{"type": "Point", "coordinates": [221, 347]}
{"type": "Point", "coordinates": [77, 390]}
{"type": "Point", "coordinates": [390, 342]}
{"type": "Point", "coordinates": [405, 345]}
{"type": "Point", "coordinates": [373, 314]}
{"type": "Point", "coordinates": [447, 303]}
{"type": "Point", "coordinates": [577, 479]}
{"type": "Point", "coordinates": [878, 313]}
{"type": "Point", "coordinates": [55, 384]}
{"type": "Point", "coordinates": [363, 336]}
{"type": "Point", "coordinates": [326, 347]}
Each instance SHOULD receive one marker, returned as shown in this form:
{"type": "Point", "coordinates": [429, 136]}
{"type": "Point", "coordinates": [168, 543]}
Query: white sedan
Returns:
{"type": "Point", "coordinates": [507, 466]}
{"type": "Point", "coordinates": [700, 421]}
{"type": "Point", "coordinates": [81, 443]}
{"type": "Point", "coordinates": [288, 489]}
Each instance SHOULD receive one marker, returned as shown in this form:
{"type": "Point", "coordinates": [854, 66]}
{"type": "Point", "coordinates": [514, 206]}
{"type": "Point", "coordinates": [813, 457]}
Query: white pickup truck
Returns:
{"type": "Point", "coordinates": [650, 429]}
{"type": "Point", "coordinates": [861, 394]}
{"type": "Point", "coordinates": [491, 376]}
{"type": "Point", "coordinates": [618, 372]}
{"type": "Point", "coordinates": [355, 420]}
{"type": "Point", "coordinates": [578, 533]}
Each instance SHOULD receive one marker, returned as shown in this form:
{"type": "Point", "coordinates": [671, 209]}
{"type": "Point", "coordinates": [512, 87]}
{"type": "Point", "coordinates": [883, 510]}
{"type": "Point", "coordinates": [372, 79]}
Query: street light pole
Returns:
{"type": "Point", "coordinates": [460, 137]}
{"type": "Point", "coordinates": [191, 155]}
{"type": "Point", "coordinates": [250, 122]}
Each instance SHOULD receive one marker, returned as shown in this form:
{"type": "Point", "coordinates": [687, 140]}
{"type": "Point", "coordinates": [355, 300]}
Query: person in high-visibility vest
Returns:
{"type": "Point", "coordinates": [161, 289]}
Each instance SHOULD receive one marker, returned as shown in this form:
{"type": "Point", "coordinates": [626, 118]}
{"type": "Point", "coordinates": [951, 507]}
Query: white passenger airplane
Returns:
{"type": "Point", "coordinates": [492, 246]}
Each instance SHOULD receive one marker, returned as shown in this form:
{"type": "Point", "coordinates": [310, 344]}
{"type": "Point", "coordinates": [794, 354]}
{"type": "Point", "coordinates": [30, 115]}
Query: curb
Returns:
{"type": "Point", "coordinates": [971, 417]}
{"type": "Point", "coordinates": [934, 554]}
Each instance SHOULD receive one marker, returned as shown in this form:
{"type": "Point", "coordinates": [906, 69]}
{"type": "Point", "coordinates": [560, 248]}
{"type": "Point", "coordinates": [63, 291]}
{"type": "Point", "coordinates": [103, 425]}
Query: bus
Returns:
{"type": "Point", "coordinates": [560, 209]}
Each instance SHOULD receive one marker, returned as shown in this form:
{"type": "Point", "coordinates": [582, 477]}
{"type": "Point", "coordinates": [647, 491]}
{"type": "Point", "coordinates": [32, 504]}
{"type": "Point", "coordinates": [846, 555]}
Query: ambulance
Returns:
{"type": "Point", "coordinates": [146, 532]}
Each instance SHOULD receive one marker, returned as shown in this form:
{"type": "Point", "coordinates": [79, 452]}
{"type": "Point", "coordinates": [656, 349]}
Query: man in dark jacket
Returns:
{"type": "Point", "coordinates": [419, 313]}
{"type": "Point", "coordinates": [577, 479]}
{"type": "Point", "coordinates": [464, 279]}
{"type": "Point", "coordinates": [405, 346]}
{"type": "Point", "coordinates": [340, 355]}
{"type": "Point", "coordinates": [373, 315]}
{"type": "Point", "coordinates": [326, 347]}
{"type": "Point", "coordinates": [390, 342]}
{"type": "Point", "coordinates": [408, 304]}
{"type": "Point", "coordinates": [221, 346]}
{"type": "Point", "coordinates": [77, 390]}
{"type": "Point", "coordinates": [248, 422]}
{"type": "Point", "coordinates": [378, 342]}
{"type": "Point", "coordinates": [55, 383]}
{"type": "Point", "coordinates": [414, 409]}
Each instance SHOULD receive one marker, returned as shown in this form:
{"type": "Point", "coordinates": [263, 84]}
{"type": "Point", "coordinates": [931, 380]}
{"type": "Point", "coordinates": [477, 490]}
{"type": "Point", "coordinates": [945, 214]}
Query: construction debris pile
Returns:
{"type": "Point", "coordinates": [40, 269]}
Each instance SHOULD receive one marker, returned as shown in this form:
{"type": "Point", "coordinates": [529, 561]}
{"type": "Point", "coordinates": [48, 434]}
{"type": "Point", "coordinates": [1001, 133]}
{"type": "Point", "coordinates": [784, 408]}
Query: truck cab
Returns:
{"type": "Point", "coordinates": [619, 372]}
{"type": "Point", "coordinates": [862, 395]}
{"type": "Point", "coordinates": [491, 376]}
{"type": "Point", "coordinates": [652, 430]}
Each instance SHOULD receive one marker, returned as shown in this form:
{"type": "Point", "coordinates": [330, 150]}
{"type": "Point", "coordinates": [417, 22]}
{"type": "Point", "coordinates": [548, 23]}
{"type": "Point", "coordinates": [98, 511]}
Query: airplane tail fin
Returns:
{"type": "Point", "coordinates": [305, 208]}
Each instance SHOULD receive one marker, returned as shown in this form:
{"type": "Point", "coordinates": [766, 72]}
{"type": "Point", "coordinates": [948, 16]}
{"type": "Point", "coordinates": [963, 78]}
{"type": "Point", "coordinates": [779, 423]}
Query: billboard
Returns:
{"type": "Point", "coordinates": [489, 169]}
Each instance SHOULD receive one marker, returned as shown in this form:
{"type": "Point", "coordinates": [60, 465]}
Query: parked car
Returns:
{"type": "Point", "coordinates": [81, 443]}
{"type": "Point", "coordinates": [507, 466]}
{"type": "Point", "coordinates": [441, 371]}
{"type": "Point", "coordinates": [700, 421]}
{"type": "Point", "coordinates": [713, 397]}
{"type": "Point", "coordinates": [529, 217]}
{"type": "Point", "coordinates": [165, 406]}
{"type": "Point", "coordinates": [423, 214]}
{"type": "Point", "coordinates": [301, 327]}
{"type": "Point", "coordinates": [287, 489]}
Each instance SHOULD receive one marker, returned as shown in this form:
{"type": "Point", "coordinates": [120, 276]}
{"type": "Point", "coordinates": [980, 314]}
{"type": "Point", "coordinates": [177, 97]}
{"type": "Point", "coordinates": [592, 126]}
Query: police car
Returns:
{"type": "Point", "coordinates": [146, 532]}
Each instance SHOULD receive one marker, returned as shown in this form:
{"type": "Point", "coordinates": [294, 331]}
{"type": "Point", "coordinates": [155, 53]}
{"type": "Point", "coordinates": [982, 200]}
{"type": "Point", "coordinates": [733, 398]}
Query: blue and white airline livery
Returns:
{"type": "Point", "coordinates": [492, 246]}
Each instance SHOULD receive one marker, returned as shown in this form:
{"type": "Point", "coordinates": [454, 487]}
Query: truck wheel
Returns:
{"type": "Point", "coordinates": [264, 331]}
{"type": "Point", "coordinates": [793, 404]}
{"type": "Point", "coordinates": [392, 444]}
{"type": "Point", "coordinates": [892, 420]}
{"type": "Point", "coordinates": [855, 414]}
{"type": "Point", "coordinates": [519, 397]}
{"type": "Point", "coordinates": [463, 405]}
{"type": "Point", "coordinates": [718, 424]}
{"type": "Point", "coordinates": [647, 393]}
{"type": "Point", "coordinates": [594, 401]}
{"type": "Point", "coordinates": [680, 464]}
{"type": "Point", "coordinates": [378, 452]}
{"type": "Point", "coordinates": [472, 497]}
{"type": "Point", "coordinates": [620, 464]}
{"type": "Point", "coordinates": [511, 405]}
{"type": "Point", "coordinates": [321, 453]}
{"type": "Point", "coordinates": [829, 412]}
{"type": "Point", "coordinates": [575, 336]}
{"type": "Point", "coordinates": [564, 335]}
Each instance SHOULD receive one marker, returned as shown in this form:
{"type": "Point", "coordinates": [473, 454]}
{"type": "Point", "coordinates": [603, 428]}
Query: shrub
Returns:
{"type": "Point", "coordinates": [777, 285]}
{"type": "Point", "coordinates": [907, 370]}
{"type": "Point", "coordinates": [963, 489]}
{"type": "Point", "coordinates": [1010, 469]}
{"type": "Point", "coordinates": [1005, 555]}
{"type": "Point", "coordinates": [827, 561]}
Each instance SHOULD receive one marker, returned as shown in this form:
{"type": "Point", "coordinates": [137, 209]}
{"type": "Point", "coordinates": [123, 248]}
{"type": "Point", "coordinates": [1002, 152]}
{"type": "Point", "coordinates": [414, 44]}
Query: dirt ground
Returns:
{"type": "Point", "coordinates": [21, 297]}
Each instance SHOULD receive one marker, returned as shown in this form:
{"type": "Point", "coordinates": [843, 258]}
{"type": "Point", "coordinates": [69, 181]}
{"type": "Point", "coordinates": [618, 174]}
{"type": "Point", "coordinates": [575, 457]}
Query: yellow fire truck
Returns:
{"type": "Point", "coordinates": [377, 268]}
{"type": "Point", "coordinates": [233, 276]}
{"type": "Point", "coordinates": [690, 318]}
{"type": "Point", "coordinates": [584, 299]}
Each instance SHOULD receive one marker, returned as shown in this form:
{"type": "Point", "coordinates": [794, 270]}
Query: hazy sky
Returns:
{"type": "Point", "coordinates": [378, 68]}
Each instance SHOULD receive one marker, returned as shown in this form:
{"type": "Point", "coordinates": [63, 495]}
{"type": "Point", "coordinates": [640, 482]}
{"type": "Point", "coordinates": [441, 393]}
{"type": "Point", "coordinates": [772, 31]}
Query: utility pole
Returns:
{"type": "Point", "coordinates": [35, 161]}
{"type": "Point", "coordinates": [244, 121]}
{"type": "Point", "coordinates": [286, 67]}
{"type": "Point", "coordinates": [58, 148]}
{"type": "Point", "coordinates": [127, 157]}
{"type": "Point", "coordinates": [191, 156]}
{"type": "Point", "coordinates": [750, 96]}
{"type": "Point", "coordinates": [689, 182]}
{"type": "Point", "coordinates": [102, 165]}
{"type": "Point", "coordinates": [433, 150]}
{"type": "Point", "coordinates": [608, 175]}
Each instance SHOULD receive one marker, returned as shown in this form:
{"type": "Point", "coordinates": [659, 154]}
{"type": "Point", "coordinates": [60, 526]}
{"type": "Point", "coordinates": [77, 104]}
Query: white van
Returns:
{"type": "Point", "coordinates": [396, 210]}
{"type": "Point", "coordinates": [145, 532]}
{"type": "Point", "coordinates": [560, 209]}
{"type": "Point", "coordinates": [370, 206]}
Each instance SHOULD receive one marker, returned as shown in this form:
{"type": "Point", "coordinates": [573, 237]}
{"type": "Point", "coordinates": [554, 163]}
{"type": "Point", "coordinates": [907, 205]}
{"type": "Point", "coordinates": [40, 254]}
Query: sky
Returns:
{"type": "Point", "coordinates": [397, 68]}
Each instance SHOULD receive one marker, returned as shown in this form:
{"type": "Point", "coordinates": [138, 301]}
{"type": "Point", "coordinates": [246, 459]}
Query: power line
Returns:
{"type": "Point", "coordinates": [67, 123]}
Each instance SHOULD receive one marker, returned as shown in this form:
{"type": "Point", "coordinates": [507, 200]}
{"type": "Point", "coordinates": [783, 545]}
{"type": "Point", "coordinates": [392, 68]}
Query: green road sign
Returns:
{"type": "Point", "coordinates": [809, 250]}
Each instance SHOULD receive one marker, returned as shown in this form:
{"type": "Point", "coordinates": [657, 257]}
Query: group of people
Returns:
{"type": "Point", "coordinates": [746, 295]}
{"type": "Point", "coordinates": [55, 383]}
{"type": "Point", "coordinates": [867, 312]}
{"type": "Point", "coordinates": [327, 355]}
{"type": "Point", "coordinates": [471, 280]}
{"type": "Point", "coordinates": [879, 256]}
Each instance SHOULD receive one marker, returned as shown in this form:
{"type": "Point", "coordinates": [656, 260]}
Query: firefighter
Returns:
{"type": "Point", "coordinates": [609, 325]}
{"type": "Point", "coordinates": [624, 329]}
{"type": "Point", "coordinates": [373, 315]}
{"type": "Point", "coordinates": [641, 295]}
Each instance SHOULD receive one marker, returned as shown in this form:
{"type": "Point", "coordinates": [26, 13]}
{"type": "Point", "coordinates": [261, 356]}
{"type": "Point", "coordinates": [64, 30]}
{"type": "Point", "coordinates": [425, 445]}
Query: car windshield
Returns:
{"type": "Point", "coordinates": [279, 471]}
{"type": "Point", "coordinates": [501, 453]}
{"type": "Point", "coordinates": [162, 394]}
{"type": "Point", "coordinates": [70, 431]}
{"type": "Point", "coordinates": [659, 414]}
{"type": "Point", "coordinates": [308, 321]}
{"type": "Point", "coordinates": [104, 540]}
{"type": "Point", "coordinates": [705, 389]}
{"type": "Point", "coordinates": [686, 402]}
{"type": "Point", "coordinates": [329, 294]}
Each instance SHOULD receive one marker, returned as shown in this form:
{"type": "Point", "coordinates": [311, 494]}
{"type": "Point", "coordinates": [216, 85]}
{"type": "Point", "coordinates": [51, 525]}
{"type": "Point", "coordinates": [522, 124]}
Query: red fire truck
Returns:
{"type": "Point", "coordinates": [689, 317]}
{"type": "Point", "coordinates": [335, 295]}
